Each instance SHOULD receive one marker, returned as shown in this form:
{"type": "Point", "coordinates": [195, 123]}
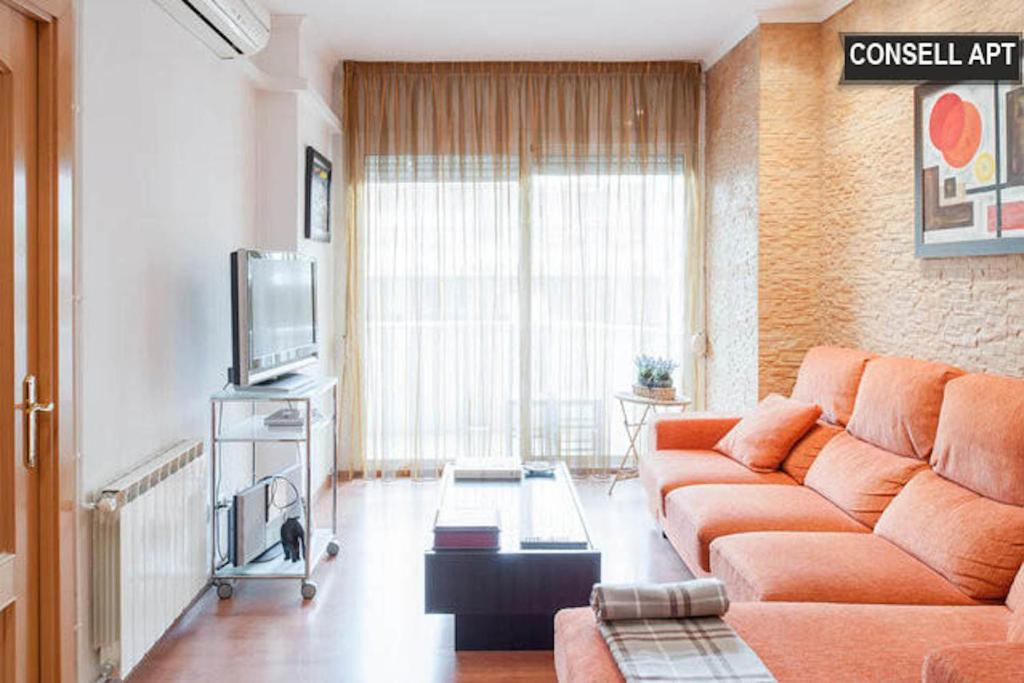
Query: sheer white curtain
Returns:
{"type": "Point", "coordinates": [441, 325]}
{"type": "Point", "coordinates": [517, 234]}
{"type": "Point", "coordinates": [606, 284]}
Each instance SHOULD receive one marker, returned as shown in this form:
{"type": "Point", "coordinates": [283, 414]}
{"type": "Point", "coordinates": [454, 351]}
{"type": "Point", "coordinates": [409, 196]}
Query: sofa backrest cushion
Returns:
{"type": "Point", "coordinates": [806, 450]}
{"type": "Point", "coordinates": [898, 404]}
{"type": "Point", "coordinates": [764, 437]}
{"type": "Point", "coordinates": [829, 376]}
{"type": "Point", "coordinates": [980, 440]}
{"type": "Point", "coordinates": [860, 478]}
{"type": "Point", "coordinates": [977, 544]}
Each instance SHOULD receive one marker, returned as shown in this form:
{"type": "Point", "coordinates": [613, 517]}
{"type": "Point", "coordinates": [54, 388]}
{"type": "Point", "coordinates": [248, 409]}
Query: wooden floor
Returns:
{"type": "Point", "coordinates": [367, 621]}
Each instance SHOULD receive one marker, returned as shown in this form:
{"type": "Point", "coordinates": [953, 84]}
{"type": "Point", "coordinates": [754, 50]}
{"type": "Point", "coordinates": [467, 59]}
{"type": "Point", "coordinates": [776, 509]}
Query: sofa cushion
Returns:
{"type": "Point", "coordinates": [697, 515]}
{"type": "Point", "coordinates": [695, 430]}
{"type": "Point", "coordinates": [804, 451]}
{"type": "Point", "coordinates": [975, 662]}
{"type": "Point", "coordinates": [827, 642]}
{"type": "Point", "coordinates": [829, 376]}
{"type": "Point", "coordinates": [581, 655]}
{"type": "Point", "coordinates": [980, 440]}
{"type": "Point", "coordinates": [763, 438]}
{"type": "Point", "coordinates": [1015, 601]}
{"type": "Point", "coordinates": [859, 477]}
{"type": "Point", "coordinates": [664, 471]}
{"type": "Point", "coordinates": [798, 641]}
{"type": "Point", "coordinates": [976, 543]}
{"type": "Point", "coordinates": [1015, 598]}
{"type": "Point", "coordinates": [898, 403]}
{"type": "Point", "coordinates": [1016, 630]}
{"type": "Point", "coordinates": [827, 567]}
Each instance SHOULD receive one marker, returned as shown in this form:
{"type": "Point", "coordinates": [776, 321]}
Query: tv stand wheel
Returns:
{"type": "Point", "coordinates": [308, 590]}
{"type": "Point", "coordinates": [225, 590]}
{"type": "Point", "coordinates": [333, 548]}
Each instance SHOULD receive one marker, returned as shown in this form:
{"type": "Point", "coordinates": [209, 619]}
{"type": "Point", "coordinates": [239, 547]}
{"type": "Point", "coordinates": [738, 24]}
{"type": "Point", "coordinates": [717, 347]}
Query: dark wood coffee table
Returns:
{"type": "Point", "coordinates": [506, 599]}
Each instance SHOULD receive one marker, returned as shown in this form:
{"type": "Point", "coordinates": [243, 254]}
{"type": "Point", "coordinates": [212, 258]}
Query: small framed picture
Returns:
{"type": "Point", "coordinates": [318, 196]}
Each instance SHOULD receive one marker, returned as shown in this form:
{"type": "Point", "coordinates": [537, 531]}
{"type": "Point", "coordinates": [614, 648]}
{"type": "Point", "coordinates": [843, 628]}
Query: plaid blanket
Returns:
{"type": "Point", "coordinates": [679, 645]}
{"type": "Point", "coordinates": [696, 598]}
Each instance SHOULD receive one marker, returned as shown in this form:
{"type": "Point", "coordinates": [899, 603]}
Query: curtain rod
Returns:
{"type": "Point", "coordinates": [549, 67]}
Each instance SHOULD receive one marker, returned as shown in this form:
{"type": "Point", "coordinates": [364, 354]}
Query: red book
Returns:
{"type": "Point", "coordinates": [478, 540]}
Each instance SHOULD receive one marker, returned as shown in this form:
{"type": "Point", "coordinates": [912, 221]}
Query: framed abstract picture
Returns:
{"type": "Point", "coordinates": [318, 196]}
{"type": "Point", "coordinates": [969, 159]}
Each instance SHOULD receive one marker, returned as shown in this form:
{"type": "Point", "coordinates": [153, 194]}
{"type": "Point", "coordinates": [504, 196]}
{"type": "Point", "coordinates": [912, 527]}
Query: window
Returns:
{"type": "Point", "coordinates": [500, 303]}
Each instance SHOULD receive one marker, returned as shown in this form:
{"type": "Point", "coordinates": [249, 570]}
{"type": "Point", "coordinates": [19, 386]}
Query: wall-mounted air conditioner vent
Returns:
{"type": "Point", "coordinates": [231, 28]}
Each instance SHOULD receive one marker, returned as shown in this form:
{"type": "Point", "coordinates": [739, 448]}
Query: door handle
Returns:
{"type": "Point", "coordinates": [32, 408]}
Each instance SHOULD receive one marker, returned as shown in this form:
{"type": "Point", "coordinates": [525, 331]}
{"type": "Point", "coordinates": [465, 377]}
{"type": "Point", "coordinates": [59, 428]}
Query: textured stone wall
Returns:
{"type": "Point", "coordinates": [732, 241]}
{"type": "Point", "coordinates": [789, 202]}
{"type": "Point", "coordinates": [875, 294]}
{"type": "Point", "coordinates": [831, 210]}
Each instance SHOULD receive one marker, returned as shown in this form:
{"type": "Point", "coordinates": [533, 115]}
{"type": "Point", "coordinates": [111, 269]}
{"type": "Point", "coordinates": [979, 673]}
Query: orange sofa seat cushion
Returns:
{"type": "Point", "coordinates": [698, 515]}
{"type": "Point", "coordinates": [976, 543]}
{"type": "Point", "coordinates": [975, 663]}
{"type": "Point", "coordinates": [898, 404]}
{"type": "Point", "coordinates": [805, 642]}
{"type": "Point", "coordinates": [664, 471]}
{"type": "Point", "coordinates": [806, 450]}
{"type": "Point", "coordinates": [980, 442]}
{"type": "Point", "coordinates": [763, 439]}
{"type": "Point", "coordinates": [829, 377]}
{"type": "Point", "coordinates": [690, 431]}
{"type": "Point", "coordinates": [863, 643]}
{"type": "Point", "coordinates": [860, 478]}
{"type": "Point", "coordinates": [827, 567]}
{"type": "Point", "coordinates": [581, 655]}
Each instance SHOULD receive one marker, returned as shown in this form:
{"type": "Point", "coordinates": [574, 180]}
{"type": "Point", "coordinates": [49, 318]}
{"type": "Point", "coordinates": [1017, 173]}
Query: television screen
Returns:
{"type": "Point", "coordinates": [274, 321]}
{"type": "Point", "coordinates": [282, 308]}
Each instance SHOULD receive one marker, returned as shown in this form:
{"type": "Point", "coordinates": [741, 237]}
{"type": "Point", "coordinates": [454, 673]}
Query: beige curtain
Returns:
{"type": "Point", "coordinates": [517, 234]}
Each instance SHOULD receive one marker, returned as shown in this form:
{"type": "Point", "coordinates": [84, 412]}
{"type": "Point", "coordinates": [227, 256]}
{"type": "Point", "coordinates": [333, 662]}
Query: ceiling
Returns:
{"type": "Point", "coordinates": [605, 30]}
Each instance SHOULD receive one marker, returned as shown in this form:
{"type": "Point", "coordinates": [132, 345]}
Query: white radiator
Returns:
{"type": "Point", "coordinates": [150, 553]}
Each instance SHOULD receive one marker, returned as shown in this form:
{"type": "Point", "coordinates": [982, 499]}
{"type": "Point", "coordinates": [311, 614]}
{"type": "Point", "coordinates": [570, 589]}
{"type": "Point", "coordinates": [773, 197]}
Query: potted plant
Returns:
{"type": "Point", "coordinates": [654, 378]}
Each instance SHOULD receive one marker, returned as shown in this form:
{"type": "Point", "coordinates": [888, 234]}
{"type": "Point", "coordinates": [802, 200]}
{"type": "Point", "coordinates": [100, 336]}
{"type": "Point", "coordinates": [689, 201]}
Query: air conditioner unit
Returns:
{"type": "Point", "coordinates": [231, 28]}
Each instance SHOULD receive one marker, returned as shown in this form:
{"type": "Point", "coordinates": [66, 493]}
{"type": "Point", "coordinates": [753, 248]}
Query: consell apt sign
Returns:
{"type": "Point", "coordinates": [936, 57]}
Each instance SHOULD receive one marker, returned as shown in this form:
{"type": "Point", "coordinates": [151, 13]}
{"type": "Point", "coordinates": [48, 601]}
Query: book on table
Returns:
{"type": "Point", "coordinates": [498, 469]}
{"type": "Point", "coordinates": [467, 528]}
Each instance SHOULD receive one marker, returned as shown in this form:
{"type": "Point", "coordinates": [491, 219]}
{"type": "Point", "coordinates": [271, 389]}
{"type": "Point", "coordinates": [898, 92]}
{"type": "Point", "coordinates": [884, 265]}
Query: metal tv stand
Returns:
{"type": "Point", "coordinates": [320, 541]}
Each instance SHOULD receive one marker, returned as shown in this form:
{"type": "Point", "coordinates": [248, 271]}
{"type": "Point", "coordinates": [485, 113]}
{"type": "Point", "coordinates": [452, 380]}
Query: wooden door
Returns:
{"type": "Point", "coordinates": [19, 477]}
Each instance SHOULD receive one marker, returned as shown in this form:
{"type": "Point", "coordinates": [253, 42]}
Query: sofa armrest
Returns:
{"type": "Point", "coordinates": [693, 430]}
{"type": "Point", "coordinates": [970, 662]}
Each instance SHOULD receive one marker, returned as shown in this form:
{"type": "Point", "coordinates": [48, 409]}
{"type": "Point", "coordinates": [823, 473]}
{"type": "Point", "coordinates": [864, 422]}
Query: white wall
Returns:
{"type": "Point", "coordinates": [168, 187]}
{"type": "Point", "coordinates": [314, 131]}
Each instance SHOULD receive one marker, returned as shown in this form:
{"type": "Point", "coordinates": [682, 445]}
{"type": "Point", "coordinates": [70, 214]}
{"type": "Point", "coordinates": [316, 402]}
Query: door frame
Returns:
{"type": "Point", "coordinates": [54, 324]}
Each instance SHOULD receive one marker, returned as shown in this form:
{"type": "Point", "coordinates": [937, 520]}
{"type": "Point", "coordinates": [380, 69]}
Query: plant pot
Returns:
{"type": "Point", "coordinates": [657, 393]}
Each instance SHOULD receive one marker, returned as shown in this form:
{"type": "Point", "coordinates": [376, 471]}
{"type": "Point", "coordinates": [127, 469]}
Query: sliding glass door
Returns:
{"type": "Point", "coordinates": [443, 247]}
{"type": "Point", "coordinates": [516, 234]}
{"type": "Point", "coordinates": [606, 283]}
{"type": "Point", "coordinates": [504, 303]}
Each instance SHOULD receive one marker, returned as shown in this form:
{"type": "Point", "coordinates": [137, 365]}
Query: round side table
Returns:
{"type": "Point", "coordinates": [646, 407]}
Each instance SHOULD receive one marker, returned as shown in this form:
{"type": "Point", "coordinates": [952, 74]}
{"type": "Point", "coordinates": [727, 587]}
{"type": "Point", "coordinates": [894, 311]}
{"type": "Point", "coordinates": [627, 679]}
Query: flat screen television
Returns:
{"type": "Point", "coordinates": [273, 315]}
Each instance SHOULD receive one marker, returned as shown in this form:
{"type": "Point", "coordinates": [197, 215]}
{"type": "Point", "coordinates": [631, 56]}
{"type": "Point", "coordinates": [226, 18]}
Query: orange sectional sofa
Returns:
{"type": "Point", "coordinates": [889, 542]}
